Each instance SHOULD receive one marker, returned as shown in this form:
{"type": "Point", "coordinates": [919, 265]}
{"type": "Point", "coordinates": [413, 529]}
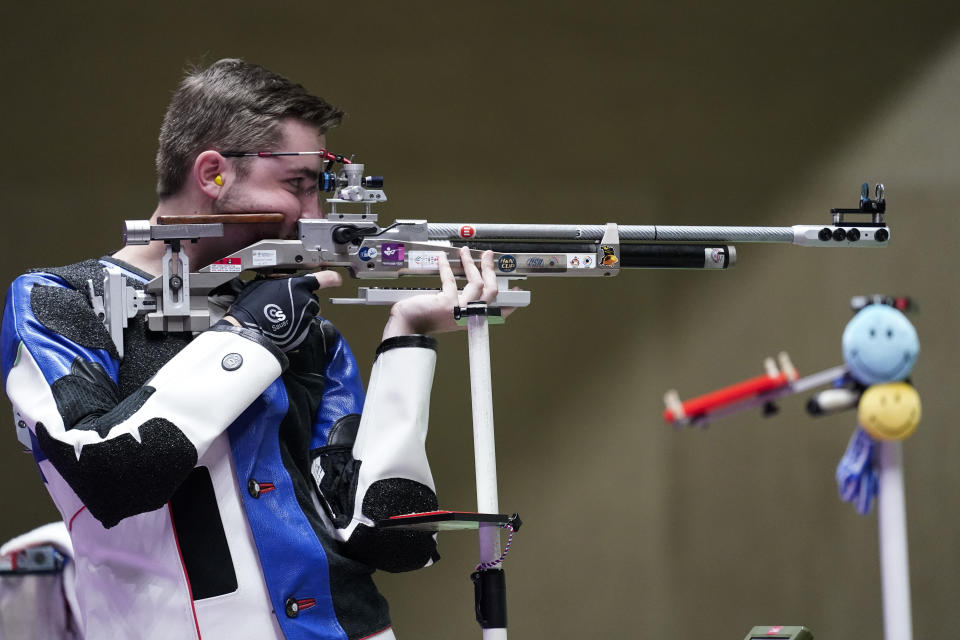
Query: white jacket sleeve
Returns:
{"type": "Point", "coordinates": [388, 461]}
{"type": "Point", "coordinates": [129, 457]}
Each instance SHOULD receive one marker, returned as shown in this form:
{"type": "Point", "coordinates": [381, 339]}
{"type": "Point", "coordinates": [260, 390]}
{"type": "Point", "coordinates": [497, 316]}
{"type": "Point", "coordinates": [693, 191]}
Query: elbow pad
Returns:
{"type": "Point", "coordinates": [383, 471]}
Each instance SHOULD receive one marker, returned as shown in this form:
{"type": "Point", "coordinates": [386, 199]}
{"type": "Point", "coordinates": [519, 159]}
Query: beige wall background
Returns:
{"type": "Point", "coordinates": [674, 113]}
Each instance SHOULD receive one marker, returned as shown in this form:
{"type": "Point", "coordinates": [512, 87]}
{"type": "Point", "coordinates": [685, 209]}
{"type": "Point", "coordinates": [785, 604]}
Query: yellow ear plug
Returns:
{"type": "Point", "coordinates": [219, 180]}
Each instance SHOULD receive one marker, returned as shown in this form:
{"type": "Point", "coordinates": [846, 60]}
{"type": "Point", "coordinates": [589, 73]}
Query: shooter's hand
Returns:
{"type": "Point", "coordinates": [433, 313]}
{"type": "Point", "coordinates": [281, 309]}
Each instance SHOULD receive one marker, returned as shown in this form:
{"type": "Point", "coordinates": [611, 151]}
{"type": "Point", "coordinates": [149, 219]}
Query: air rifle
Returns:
{"type": "Point", "coordinates": [178, 299]}
{"type": "Point", "coordinates": [181, 300]}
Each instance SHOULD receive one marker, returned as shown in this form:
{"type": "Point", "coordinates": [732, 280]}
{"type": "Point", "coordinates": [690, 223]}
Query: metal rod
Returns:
{"type": "Point", "coordinates": [484, 449]}
{"type": "Point", "coordinates": [894, 561]}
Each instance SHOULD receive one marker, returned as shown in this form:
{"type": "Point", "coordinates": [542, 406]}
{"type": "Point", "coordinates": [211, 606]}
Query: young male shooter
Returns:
{"type": "Point", "coordinates": [224, 485]}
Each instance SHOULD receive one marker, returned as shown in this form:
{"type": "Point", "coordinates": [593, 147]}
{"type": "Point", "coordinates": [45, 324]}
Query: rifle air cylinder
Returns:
{"type": "Point", "coordinates": [637, 256]}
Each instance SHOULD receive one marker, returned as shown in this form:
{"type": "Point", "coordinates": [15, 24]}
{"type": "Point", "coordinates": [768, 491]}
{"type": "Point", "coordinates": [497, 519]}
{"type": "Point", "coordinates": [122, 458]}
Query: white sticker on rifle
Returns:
{"type": "Point", "coordinates": [425, 260]}
{"type": "Point", "coordinates": [581, 260]}
{"type": "Point", "coordinates": [714, 258]}
{"type": "Point", "coordinates": [226, 265]}
{"type": "Point", "coordinates": [264, 257]}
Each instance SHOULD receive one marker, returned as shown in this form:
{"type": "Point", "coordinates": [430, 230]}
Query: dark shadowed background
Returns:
{"type": "Point", "coordinates": [676, 113]}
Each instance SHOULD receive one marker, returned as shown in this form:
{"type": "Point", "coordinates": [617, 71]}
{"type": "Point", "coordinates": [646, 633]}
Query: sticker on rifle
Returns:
{"type": "Point", "coordinates": [545, 263]}
{"type": "Point", "coordinates": [424, 260]}
{"type": "Point", "coordinates": [264, 257]}
{"type": "Point", "coordinates": [467, 231]}
{"type": "Point", "coordinates": [609, 258]}
{"type": "Point", "coordinates": [226, 265]}
{"type": "Point", "coordinates": [507, 263]}
{"type": "Point", "coordinates": [392, 253]}
{"type": "Point", "coordinates": [580, 260]}
{"type": "Point", "coordinates": [367, 253]}
{"type": "Point", "coordinates": [714, 258]}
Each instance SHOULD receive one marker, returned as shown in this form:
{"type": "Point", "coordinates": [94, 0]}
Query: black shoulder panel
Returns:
{"type": "Point", "coordinates": [121, 477]}
{"type": "Point", "coordinates": [145, 352]}
{"type": "Point", "coordinates": [394, 550]}
{"type": "Point", "coordinates": [68, 313]}
{"type": "Point", "coordinates": [77, 274]}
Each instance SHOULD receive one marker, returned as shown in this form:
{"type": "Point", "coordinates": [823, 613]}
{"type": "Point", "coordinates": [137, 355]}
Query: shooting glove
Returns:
{"type": "Point", "coordinates": [279, 309]}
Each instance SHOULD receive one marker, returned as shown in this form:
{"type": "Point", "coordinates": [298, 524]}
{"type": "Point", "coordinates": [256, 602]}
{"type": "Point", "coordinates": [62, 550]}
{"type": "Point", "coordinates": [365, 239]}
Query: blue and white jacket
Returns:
{"type": "Point", "coordinates": [213, 486]}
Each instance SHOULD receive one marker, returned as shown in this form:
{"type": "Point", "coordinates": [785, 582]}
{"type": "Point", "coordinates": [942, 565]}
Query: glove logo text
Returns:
{"type": "Point", "coordinates": [274, 313]}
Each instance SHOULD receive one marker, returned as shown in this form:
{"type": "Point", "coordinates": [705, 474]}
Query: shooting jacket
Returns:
{"type": "Point", "coordinates": [188, 471]}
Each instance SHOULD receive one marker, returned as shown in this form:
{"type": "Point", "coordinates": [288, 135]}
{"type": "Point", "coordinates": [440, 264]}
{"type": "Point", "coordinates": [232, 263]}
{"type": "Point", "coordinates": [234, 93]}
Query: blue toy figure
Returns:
{"type": "Point", "coordinates": [880, 347]}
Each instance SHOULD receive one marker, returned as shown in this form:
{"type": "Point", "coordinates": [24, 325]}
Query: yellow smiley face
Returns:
{"type": "Point", "coordinates": [889, 411]}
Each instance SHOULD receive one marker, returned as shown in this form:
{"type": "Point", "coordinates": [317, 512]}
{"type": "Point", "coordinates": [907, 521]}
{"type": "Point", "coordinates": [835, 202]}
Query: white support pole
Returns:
{"type": "Point", "coordinates": [894, 562]}
{"type": "Point", "coordinates": [484, 450]}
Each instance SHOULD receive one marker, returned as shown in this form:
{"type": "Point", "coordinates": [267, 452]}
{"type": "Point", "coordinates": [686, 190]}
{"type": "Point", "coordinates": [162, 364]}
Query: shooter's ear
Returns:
{"type": "Point", "coordinates": [211, 173]}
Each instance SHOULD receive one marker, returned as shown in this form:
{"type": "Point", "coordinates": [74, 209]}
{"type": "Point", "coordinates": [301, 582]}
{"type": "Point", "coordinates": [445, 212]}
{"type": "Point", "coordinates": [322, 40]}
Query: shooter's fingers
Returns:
{"type": "Point", "coordinates": [327, 279]}
{"type": "Point", "coordinates": [448, 283]}
{"type": "Point", "coordinates": [474, 286]}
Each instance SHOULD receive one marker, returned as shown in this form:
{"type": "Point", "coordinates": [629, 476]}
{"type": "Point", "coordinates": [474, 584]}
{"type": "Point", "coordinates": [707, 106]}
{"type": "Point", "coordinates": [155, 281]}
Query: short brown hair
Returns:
{"type": "Point", "coordinates": [231, 105]}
